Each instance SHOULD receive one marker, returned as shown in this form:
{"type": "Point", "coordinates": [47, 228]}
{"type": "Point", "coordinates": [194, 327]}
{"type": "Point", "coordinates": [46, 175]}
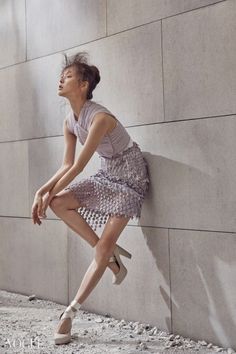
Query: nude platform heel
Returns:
{"type": "Point", "coordinates": [119, 277]}
{"type": "Point", "coordinates": [70, 312]}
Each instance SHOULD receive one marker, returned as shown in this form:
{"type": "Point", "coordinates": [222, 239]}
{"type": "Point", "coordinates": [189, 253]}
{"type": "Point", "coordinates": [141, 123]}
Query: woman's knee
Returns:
{"type": "Point", "coordinates": [64, 200]}
{"type": "Point", "coordinates": [56, 202]}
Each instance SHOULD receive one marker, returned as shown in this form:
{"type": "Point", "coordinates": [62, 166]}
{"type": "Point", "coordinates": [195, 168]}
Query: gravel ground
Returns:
{"type": "Point", "coordinates": [28, 324]}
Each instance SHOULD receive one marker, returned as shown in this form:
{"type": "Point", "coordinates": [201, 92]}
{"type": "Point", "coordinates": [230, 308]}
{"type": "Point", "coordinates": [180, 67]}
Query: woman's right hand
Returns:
{"type": "Point", "coordinates": [38, 200]}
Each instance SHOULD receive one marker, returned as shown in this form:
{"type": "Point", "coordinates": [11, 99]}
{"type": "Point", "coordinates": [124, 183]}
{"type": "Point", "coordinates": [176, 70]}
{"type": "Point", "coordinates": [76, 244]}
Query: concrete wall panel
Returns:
{"type": "Point", "coordinates": [63, 25]}
{"type": "Point", "coordinates": [199, 59]}
{"type": "Point", "coordinates": [13, 32]}
{"type": "Point", "coordinates": [33, 258]}
{"type": "Point", "coordinates": [202, 266]}
{"type": "Point", "coordinates": [30, 105]}
{"type": "Point", "coordinates": [124, 14]}
{"type": "Point", "coordinates": [14, 177]}
{"type": "Point", "coordinates": [191, 166]}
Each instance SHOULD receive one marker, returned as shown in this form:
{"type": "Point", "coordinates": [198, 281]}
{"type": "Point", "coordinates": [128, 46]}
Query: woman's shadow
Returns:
{"type": "Point", "coordinates": [200, 263]}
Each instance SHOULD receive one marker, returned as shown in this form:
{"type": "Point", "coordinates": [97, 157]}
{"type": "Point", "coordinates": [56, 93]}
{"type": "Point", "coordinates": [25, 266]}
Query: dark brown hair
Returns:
{"type": "Point", "coordinates": [85, 71]}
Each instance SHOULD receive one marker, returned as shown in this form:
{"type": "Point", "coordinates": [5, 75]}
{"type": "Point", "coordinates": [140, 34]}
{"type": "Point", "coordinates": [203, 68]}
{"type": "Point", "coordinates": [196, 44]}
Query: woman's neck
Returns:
{"type": "Point", "coordinates": [77, 105]}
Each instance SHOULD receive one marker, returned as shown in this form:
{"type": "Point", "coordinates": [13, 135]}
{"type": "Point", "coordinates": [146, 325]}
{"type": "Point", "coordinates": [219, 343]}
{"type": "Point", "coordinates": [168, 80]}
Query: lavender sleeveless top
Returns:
{"type": "Point", "coordinates": [112, 143]}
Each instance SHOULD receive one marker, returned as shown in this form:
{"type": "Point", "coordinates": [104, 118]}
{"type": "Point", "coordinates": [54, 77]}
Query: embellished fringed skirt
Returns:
{"type": "Point", "coordinates": [117, 189]}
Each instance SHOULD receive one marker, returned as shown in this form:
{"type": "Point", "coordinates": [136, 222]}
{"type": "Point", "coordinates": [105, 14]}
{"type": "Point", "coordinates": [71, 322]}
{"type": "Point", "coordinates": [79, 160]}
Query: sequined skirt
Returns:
{"type": "Point", "coordinates": [117, 189]}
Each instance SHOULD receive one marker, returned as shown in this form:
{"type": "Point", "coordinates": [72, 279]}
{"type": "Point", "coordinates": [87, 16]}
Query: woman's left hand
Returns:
{"type": "Point", "coordinates": [46, 201]}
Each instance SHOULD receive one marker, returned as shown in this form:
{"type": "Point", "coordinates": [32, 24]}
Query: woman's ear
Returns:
{"type": "Point", "coordinates": [85, 84]}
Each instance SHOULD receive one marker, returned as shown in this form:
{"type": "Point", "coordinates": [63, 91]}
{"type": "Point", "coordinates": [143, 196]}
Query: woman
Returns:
{"type": "Point", "coordinates": [111, 196]}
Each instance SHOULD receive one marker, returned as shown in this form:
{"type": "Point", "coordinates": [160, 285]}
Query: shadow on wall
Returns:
{"type": "Point", "coordinates": [201, 274]}
{"type": "Point", "coordinates": [149, 201]}
{"type": "Point", "coordinates": [149, 207]}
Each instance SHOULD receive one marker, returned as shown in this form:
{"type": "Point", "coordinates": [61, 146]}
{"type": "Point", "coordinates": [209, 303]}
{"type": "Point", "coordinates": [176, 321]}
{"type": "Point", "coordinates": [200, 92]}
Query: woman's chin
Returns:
{"type": "Point", "coordinates": [62, 93]}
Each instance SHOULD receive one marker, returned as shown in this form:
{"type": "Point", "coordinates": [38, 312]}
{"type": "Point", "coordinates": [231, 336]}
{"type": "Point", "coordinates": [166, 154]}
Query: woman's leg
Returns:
{"type": "Point", "coordinates": [64, 205]}
{"type": "Point", "coordinates": [103, 251]}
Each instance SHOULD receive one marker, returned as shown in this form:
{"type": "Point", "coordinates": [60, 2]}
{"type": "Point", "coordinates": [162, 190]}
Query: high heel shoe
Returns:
{"type": "Point", "coordinates": [119, 277]}
{"type": "Point", "coordinates": [70, 312]}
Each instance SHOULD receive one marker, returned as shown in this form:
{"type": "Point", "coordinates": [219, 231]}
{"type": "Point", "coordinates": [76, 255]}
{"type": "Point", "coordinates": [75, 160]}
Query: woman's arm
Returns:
{"type": "Point", "coordinates": [67, 163]}
{"type": "Point", "coordinates": [53, 180]}
{"type": "Point", "coordinates": [100, 125]}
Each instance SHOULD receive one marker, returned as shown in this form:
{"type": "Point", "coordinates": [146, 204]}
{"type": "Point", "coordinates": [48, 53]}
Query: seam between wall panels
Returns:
{"type": "Point", "coordinates": [130, 126]}
{"type": "Point", "coordinates": [26, 39]}
{"type": "Point", "coordinates": [171, 314]}
{"type": "Point", "coordinates": [149, 226]}
{"type": "Point", "coordinates": [30, 202]}
{"type": "Point", "coordinates": [106, 31]}
{"type": "Point", "coordinates": [162, 71]}
{"type": "Point", "coordinates": [67, 265]}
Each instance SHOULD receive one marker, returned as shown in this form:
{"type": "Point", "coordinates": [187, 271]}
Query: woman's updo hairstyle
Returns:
{"type": "Point", "coordinates": [85, 71]}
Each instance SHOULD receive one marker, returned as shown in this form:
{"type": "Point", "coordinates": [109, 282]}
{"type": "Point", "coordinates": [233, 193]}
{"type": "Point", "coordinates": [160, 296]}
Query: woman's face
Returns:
{"type": "Point", "coordinates": [69, 83]}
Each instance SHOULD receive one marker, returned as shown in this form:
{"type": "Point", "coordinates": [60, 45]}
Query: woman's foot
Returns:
{"type": "Point", "coordinates": [62, 334]}
{"type": "Point", "coordinates": [64, 326]}
{"type": "Point", "coordinates": [114, 267]}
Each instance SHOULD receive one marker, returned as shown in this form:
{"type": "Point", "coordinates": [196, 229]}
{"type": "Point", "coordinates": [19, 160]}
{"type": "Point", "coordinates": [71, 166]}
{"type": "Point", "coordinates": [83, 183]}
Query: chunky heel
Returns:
{"type": "Point", "coordinates": [123, 252]}
{"type": "Point", "coordinates": [119, 277]}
